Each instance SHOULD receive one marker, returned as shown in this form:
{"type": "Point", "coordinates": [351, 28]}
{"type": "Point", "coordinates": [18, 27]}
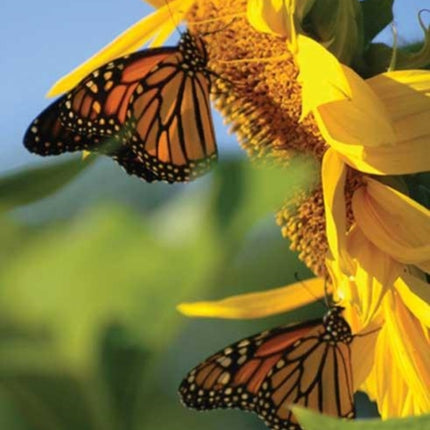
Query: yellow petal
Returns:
{"type": "Point", "coordinates": [271, 16]}
{"type": "Point", "coordinates": [360, 121]}
{"type": "Point", "coordinates": [400, 159]}
{"type": "Point", "coordinates": [319, 88]}
{"type": "Point", "coordinates": [131, 40]}
{"type": "Point", "coordinates": [404, 93]}
{"type": "Point", "coordinates": [394, 223]}
{"type": "Point", "coordinates": [258, 305]}
{"type": "Point", "coordinates": [410, 347]}
{"type": "Point", "coordinates": [375, 273]}
{"type": "Point", "coordinates": [333, 173]}
{"type": "Point", "coordinates": [85, 154]}
{"type": "Point", "coordinates": [415, 293]}
{"type": "Point", "coordinates": [386, 384]}
{"type": "Point", "coordinates": [406, 96]}
{"type": "Point", "coordinates": [362, 354]}
{"type": "Point", "coordinates": [157, 3]}
{"type": "Point", "coordinates": [391, 135]}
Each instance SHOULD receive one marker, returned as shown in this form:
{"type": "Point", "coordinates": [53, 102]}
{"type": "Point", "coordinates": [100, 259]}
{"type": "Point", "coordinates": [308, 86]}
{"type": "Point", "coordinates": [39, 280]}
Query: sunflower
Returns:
{"type": "Point", "coordinates": [358, 228]}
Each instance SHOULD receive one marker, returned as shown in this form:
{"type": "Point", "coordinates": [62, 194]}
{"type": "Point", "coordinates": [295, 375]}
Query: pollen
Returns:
{"type": "Point", "coordinates": [302, 221]}
{"type": "Point", "coordinates": [257, 92]}
{"type": "Point", "coordinates": [259, 95]}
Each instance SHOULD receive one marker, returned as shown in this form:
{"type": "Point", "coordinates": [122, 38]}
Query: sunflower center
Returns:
{"type": "Point", "coordinates": [259, 96]}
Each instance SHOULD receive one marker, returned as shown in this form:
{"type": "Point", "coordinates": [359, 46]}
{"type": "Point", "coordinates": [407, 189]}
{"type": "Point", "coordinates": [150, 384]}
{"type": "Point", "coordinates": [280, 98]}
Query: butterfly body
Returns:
{"type": "Point", "coordinates": [306, 364]}
{"type": "Point", "coordinates": [149, 111]}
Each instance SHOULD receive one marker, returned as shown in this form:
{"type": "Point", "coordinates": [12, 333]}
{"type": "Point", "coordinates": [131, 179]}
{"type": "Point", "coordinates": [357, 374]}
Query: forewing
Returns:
{"type": "Point", "coordinates": [99, 103]}
{"type": "Point", "coordinates": [233, 377]}
{"type": "Point", "coordinates": [131, 163]}
{"type": "Point", "coordinates": [46, 135]}
{"type": "Point", "coordinates": [314, 373]}
{"type": "Point", "coordinates": [171, 115]}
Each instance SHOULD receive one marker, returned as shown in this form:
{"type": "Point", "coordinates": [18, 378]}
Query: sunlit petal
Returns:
{"type": "Point", "coordinates": [385, 384]}
{"type": "Point", "coordinates": [258, 305]}
{"type": "Point", "coordinates": [363, 353]}
{"type": "Point", "coordinates": [415, 293]}
{"type": "Point", "coordinates": [271, 16]}
{"type": "Point", "coordinates": [375, 272]}
{"type": "Point", "coordinates": [394, 222]}
{"type": "Point", "coordinates": [319, 88]}
{"type": "Point", "coordinates": [362, 120]}
{"type": "Point", "coordinates": [333, 173]}
{"type": "Point", "coordinates": [410, 347]}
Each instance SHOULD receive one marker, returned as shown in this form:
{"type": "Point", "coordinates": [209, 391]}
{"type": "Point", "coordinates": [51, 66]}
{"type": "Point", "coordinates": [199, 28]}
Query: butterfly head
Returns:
{"type": "Point", "coordinates": [193, 51]}
{"type": "Point", "coordinates": [336, 326]}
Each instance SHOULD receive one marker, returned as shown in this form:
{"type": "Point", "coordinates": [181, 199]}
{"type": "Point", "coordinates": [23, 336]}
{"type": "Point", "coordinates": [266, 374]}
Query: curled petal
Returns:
{"type": "Point", "coordinates": [410, 348]}
{"type": "Point", "coordinates": [415, 293]}
{"type": "Point", "coordinates": [394, 223]}
{"type": "Point", "coordinates": [318, 88]}
{"type": "Point", "coordinates": [258, 305]}
{"type": "Point", "coordinates": [333, 179]}
{"type": "Point", "coordinates": [130, 40]}
{"type": "Point", "coordinates": [359, 121]}
{"type": "Point", "coordinates": [391, 143]}
{"type": "Point", "coordinates": [363, 353]}
{"type": "Point", "coordinates": [158, 3]}
{"type": "Point", "coordinates": [406, 96]}
{"type": "Point", "coordinates": [404, 159]}
{"type": "Point", "coordinates": [386, 384]}
{"type": "Point", "coordinates": [272, 16]}
{"type": "Point", "coordinates": [375, 273]}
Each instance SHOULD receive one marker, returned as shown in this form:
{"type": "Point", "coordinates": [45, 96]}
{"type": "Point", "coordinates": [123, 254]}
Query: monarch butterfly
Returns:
{"type": "Point", "coordinates": [308, 364]}
{"type": "Point", "coordinates": [150, 111]}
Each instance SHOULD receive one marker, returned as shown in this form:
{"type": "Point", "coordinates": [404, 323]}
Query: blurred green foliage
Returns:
{"type": "Point", "coordinates": [91, 270]}
{"type": "Point", "coordinates": [313, 421]}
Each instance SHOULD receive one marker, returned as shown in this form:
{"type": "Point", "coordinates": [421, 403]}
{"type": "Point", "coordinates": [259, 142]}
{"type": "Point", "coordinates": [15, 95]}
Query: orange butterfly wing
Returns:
{"type": "Point", "coordinates": [302, 364]}
{"type": "Point", "coordinates": [149, 110]}
{"type": "Point", "coordinates": [171, 116]}
{"type": "Point", "coordinates": [46, 135]}
{"type": "Point", "coordinates": [99, 103]}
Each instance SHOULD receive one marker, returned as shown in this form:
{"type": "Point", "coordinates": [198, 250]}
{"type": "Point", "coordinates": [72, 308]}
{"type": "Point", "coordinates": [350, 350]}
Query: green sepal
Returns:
{"type": "Point", "coordinates": [29, 185]}
{"type": "Point", "coordinates": [337, 25]}
{"type": "Point", "coordinates": [313, 421]}
{"type": "Point", "coordinates": [377, 14]}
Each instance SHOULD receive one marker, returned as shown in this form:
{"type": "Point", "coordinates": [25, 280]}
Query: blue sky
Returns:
{"type": "Point", "coordinates": [42, 40]}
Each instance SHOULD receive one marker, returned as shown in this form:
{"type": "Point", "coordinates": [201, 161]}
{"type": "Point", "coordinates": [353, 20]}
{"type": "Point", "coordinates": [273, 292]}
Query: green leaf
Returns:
{"type": "Point", "coordinates": [105, 267]}
{"type": "Point", "coordinates": [313, 421]}
{"type": "Point", "coordinates": [53, 401]}
{"type": "Point", "coordinates": [29, 185]}
{"type": "Point", "coordinates": [123, 362]}
{"type": "Point", "coordinates": [378, 57]}
{"type": "Point", "coordinates": [267, 188]}
{"type": "Point", "coordinates": [228, 191]}
{"type": "Point", "coordinates": [377, 14]}
{"type": "Point", "coordinates": [419, 188]}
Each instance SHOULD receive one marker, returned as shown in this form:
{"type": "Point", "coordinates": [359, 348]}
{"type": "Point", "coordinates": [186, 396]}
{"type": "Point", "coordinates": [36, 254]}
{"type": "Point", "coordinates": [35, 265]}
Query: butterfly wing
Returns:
{"type": "Point", "coordinates": [314, 373]}
{"type": "Point", "coordinates": [153, 106]}
{"type": "Point", "coordinates": [269, 372]}
{"type": "Point", "coordinates": [232, 378]}
{"type": "Point", "coordinates": [171, 115]}
{"type": "Point", "coordinates": [46, 135]}
{"type": "Point", "coordinates": [99, 103]}
{"type": "Point", "coordinates": [131, 163]}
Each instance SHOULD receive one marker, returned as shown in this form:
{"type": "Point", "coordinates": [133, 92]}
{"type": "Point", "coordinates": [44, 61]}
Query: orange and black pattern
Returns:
{"type": "Point", "coordinates": [149, 111]}
{"type": "Point", "coordinates": [308, 364]}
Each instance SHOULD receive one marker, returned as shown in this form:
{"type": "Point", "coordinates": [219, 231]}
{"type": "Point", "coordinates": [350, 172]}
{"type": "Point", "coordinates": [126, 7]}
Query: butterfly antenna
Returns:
{"type": "Point", "coordinates": [172, 17]}
{"type": "Point", "coordinates": [317, 299]}
{"type": "Point", "coordinates": [367, 333]}
{"type": "Point", "coordinates": [221, 18]}
{"type": "Point", "coordinates": [218, 30]}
